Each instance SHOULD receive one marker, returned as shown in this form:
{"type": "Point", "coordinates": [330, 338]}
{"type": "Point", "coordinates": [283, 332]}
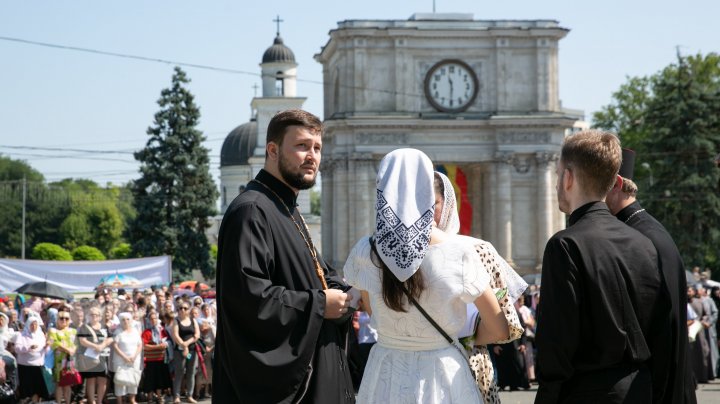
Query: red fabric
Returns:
{"type": "Point", "coordinates": [201, 359]}
{"type": "Point", "coordinates": [153, 356]}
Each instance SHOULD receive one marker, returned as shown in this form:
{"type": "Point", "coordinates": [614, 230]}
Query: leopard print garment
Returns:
{"type": "Point", "coordinates": [479, 357]}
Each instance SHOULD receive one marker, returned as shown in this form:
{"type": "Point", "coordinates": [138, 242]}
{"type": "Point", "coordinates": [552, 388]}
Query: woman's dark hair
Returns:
{"type": "Point", "coordinates": [392, 288]}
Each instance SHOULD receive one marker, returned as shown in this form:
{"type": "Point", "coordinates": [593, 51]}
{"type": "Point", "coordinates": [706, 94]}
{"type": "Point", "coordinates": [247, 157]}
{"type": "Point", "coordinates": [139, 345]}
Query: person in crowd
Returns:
{"type": "Point", "coordinates": [185, 333]}
{"type": "Point", "coordinates": [401, 272]}
{"type": "Point", "coordinates": [709, 323]}
{"type": "Point", "coordinates": [671, 375]}
{"type": "Point", "coordinates": [277, 298]}
{"type": "Point", "coordinates": [109, 320]}
{"type": "Point", "coordinates": [13, 322]}
{"type": "Point", "coordinates": [510, 363]}
{"type": "Point", "coordinates": [206, 345]}
{"type": "Point", "coordinates": [127, 349]}
{"type": "Point", "coordinates": [30, 348]}
{"type": "Point", "coordinates": [7, 338]}
{"type": "Point", "coordinates": [61, 340]}
{"type": "Point", "coordinates": [503, 278]}
{"type": "Point", "coordinates": [156, 375]}
{"type": "Point", "coordinates": [528, 318]}
{"type": "Point", "coordinates": [94, 342]}
{"type": "Point", "coordinates": [602, 304]}
{"type": "Point", "coordinates": [699, 348]}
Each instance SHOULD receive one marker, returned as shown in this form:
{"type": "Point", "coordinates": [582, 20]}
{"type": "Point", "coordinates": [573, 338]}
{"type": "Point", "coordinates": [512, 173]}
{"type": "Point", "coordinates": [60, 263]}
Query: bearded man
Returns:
{"type": "Point", "coordinates": [282, 320]}
{"type": "Point", "coordinates": [601, 304]}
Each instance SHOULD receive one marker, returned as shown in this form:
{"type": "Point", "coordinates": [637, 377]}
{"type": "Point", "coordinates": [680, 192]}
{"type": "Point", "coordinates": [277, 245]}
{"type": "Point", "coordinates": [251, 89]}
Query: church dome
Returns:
{"type": "Point", "coordinates": [278, 52]}
{"type": "Point", "coordinates": [239, 145]}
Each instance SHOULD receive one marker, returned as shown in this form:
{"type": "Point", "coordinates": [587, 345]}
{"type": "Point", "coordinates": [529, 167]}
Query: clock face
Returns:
{"type": "Point", "coordinates": [451, 86]}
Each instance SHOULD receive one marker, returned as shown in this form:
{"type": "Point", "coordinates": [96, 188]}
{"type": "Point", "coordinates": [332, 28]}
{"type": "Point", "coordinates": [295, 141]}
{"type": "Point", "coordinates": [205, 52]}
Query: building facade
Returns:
{"type": "Point", "coordinates": [478, 96]}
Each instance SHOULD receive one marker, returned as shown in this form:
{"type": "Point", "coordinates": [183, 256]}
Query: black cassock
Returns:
{"type": "Point", "coordinates": [672, 383]}
{"type": "Point", "coordinates": [600, 304]}
{"type": "Point", "coordinates": [273, 344]}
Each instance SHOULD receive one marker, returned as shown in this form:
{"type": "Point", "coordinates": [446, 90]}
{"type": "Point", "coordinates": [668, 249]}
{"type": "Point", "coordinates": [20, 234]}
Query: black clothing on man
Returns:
{"type": "Point", "coordinates": [600, 289]}
{"type": "Point", "coordinates": [669, 368]}
{"type": "Point", "coordinates": [273, 343]}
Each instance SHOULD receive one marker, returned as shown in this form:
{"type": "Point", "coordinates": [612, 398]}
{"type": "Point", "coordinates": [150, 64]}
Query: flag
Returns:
{"type": "Point", "coordinates": [459, 182]}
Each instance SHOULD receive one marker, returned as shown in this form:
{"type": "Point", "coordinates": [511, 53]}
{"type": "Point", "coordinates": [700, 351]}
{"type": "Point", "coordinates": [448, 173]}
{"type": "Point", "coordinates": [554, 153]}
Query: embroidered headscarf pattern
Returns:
{"type": "Point", "coordinates": [404, 208]}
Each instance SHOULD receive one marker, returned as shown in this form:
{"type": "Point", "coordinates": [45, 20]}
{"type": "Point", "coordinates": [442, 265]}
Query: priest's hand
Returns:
{"type": "Point", "coordinates": [336, 303]}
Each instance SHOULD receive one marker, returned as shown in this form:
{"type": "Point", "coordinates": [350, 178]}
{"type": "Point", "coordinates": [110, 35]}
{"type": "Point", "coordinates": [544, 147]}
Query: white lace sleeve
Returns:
{"type": "Point", "coordinates": [359, 270]}
{"type": "Point", "coordinates": [475, 277]}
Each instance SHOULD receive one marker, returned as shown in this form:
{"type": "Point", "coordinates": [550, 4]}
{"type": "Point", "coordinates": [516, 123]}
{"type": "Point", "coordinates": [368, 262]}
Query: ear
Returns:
{"type": "Point", "coordinates": [618, 183]}
{"type": "Point", "coordinates": [569, 179]}
{"type": "Point", "coordinates": [272, 150]}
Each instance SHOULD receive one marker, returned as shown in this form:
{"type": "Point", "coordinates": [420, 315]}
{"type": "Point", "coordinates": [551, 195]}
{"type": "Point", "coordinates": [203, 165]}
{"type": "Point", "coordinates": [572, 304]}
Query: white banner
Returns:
{"type": "Point", "coordinates": [83, 276]}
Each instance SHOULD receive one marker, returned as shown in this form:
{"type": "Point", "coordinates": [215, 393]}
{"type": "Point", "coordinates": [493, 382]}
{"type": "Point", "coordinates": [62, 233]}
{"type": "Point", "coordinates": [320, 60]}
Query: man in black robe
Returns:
{"type": "Point", "coordinates": [672, 378]}
{"type": "Point", "coordinates": [600, 288]}
{"type": "Point", "coordinates": [280, 338]}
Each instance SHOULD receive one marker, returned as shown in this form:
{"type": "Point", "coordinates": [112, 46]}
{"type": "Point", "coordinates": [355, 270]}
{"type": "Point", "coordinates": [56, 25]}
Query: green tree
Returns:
{"type": "Point", "coordinates": [672, 120]}
{"type": "Point", "coordinates": [50, 252]}
{"type": "Point", "coordinates": [95, 217]}
{"type": "Point", "coordinates": [45, 208]}
{"type": "Point", "coordinates": [315, 202]}
{"type": "Point", "coordinates": [121, 251]}
{"type": "Point", "coordinates": [175, 194]}
{"type": "Point", "coordinates": [87, 253]}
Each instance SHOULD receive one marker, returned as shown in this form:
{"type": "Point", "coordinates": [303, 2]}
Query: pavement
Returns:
{"type": "Point", "coordinates": [708, 393]}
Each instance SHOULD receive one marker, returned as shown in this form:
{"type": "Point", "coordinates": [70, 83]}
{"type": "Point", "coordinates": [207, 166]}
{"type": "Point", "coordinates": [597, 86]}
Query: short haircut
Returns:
{"type": "Point", "coordinates": [595, 157]}
{"type": "Point", "coordinates": [292, 117]}
{"type": "Point", "coordinates": [629, 187]}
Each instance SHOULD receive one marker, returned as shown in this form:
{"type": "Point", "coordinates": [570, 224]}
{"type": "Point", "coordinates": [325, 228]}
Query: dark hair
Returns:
{"type": "Point", "coordinates": [292, 117]}
{"type": "Point", "coordinates": [392, 288]}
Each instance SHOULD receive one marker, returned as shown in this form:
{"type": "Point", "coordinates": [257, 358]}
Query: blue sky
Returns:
{"type": "Point", "coordinates": [65, 99]}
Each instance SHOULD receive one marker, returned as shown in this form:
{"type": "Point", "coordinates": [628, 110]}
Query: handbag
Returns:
{"type": "Point", "coordinates": [127, 376]}
{"type": "Point", "coordinates": [69, 376]}
{"type": "Point", "coordinates": [85, 363]}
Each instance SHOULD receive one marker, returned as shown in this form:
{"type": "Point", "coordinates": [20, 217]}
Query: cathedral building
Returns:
{"type": "Point", "coordinates": [480, 98]}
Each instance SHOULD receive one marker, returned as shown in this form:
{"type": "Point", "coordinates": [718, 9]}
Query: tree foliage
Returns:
{"type": "Point", "coordinates": [672, 120]}
{"type": "Point", "coordinates": [175, 194]}
{"type": "Point", "coordinates": [50, 252]}
{"type": "Point", "coordinates": [45, 208]}
{"type": "Point", "coordinates": [87, 253]}
{"type": "Point", "coordinates": [121, 251]}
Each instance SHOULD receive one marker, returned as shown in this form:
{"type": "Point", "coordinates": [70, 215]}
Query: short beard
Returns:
{"type": "Point", "coordinates": [295, 180]}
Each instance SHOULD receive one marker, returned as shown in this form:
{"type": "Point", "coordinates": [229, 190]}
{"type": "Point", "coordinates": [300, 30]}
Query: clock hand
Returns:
{"type": "Point", "coordinates": [451, 86]}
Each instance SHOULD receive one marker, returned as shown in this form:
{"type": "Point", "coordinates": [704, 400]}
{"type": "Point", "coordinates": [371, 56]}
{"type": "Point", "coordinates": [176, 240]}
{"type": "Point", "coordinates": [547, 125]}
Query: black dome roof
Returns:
{"type": "Point", "coordinates": [239, 145]}
{"type": "Point", "coordinates": [278, 52]}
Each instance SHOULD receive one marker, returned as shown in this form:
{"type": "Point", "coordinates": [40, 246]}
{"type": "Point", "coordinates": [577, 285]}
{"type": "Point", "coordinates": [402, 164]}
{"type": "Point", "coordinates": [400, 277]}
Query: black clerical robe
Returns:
{"type": "Point", "coordinates": [273, 344]}
{"type": "Point", "coordinates": [600, 287]}
{"type": "Point", "coordinates": [668, 364]}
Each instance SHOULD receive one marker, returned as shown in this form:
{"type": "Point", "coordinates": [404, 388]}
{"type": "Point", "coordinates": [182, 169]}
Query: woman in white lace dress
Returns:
{"type": "Point", "coordinates": [412, 362]}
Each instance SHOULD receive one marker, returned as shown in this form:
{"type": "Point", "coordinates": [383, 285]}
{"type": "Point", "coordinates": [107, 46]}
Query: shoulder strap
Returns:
{"type": "Point", "coordinates": [427, 316]}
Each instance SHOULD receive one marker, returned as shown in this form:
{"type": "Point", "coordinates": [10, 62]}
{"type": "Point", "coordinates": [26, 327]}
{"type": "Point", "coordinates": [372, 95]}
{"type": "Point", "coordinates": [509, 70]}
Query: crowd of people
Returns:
{"type": "Point", "coordinates": [153, 344]}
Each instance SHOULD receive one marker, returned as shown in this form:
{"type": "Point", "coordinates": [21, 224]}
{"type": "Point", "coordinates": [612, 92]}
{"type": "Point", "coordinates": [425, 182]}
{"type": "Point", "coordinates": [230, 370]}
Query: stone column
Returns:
{"type": "Point", "coordinates": [362, 191]}
{"type": "Point", "coordinates": [503, 201]}
{"type": "Point", "coordinates": [327, 168]}
{"type": "Point", "coordinates": [342, 206]}
{"type": "Point", "coordinates": [545, 214]}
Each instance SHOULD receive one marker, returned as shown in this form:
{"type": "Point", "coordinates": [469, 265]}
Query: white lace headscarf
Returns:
{"type": "Point", "coordinates": [404, 217]}
{"type": "Point", "coordinates": [450, 223]}
{"type": "Point", "coordinates": [449, 218]}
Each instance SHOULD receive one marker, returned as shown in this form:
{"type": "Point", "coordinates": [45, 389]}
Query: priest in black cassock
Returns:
{"type": "Point", "coordinates": [282, 312]}
{"type": "Point", "coordinates": [601, 288]}
{"type": "Point", "coordinates": [672, 377]}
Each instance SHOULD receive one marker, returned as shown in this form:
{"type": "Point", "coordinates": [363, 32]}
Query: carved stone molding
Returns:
{"type": "Point", "coordinates": [504, 157]}
{"type": "Point", "coordinates": [544, 159]}
{"type": "Point", "coordinates": [521, 163]}
{"type": "Point", "coordinates": [381, 138]}
{"type": "Point", "coordinates": [520, 138]}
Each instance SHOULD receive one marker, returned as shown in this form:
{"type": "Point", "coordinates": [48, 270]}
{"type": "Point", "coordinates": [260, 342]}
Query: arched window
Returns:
{"type": "Point", "coordinates": [279, 84]}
